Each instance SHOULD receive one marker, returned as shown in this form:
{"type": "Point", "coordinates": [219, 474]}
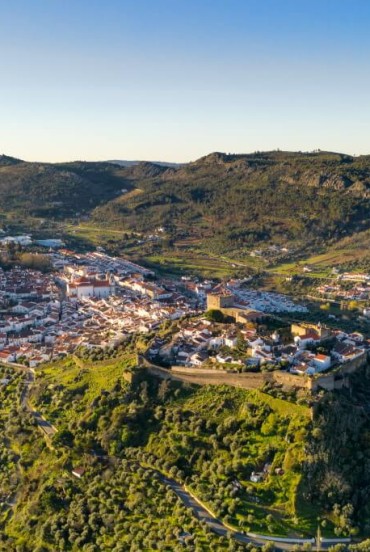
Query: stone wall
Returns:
{"type": "Point", "coordinates": [290, 380]}
{"type": "Point", "coordinates": [253, 380]}
{"type": "Point", "coordinates": [338, 378]}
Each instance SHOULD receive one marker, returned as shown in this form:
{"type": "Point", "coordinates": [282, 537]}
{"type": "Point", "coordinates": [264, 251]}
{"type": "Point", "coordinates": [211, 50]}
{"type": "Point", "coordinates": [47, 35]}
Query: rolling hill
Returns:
{"type": "Point", "coordinates": [234, 202]}
{"type": "Point", "coordinates": [222, 203]}
{"type": "Point", "coordinates": [57, 190]}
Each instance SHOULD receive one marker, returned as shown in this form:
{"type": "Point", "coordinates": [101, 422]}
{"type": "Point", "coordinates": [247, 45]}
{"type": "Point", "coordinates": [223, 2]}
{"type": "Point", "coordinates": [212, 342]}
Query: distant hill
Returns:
{"type": "Point", "coordinates": [57, 190]}
{"type": "Point", "coordinates": [123, 163]}
{"type": "Point", "coordinates": [233, 202]}
{"type": "Point", "coordinates": [5, 160]}
{"type": "Point", "coordinates": [226, 203]}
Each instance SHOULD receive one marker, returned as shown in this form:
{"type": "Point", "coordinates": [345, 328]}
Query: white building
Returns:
{"type": "Point", "coordinates": [84, 287]}
{"type": "Point", "coordinates": [321, 362]}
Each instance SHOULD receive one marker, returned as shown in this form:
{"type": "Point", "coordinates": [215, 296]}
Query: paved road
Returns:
{"type": "Point", "coordinates": [28, 382]}
{"type": "Point", "coordinates": [43, 424]}
{"type": "Point", "coordinates": [201, 513]}
{"type": "Point", "coordinates": [218, 527]}
{"type": "Point", "coordinates": [215, 524]}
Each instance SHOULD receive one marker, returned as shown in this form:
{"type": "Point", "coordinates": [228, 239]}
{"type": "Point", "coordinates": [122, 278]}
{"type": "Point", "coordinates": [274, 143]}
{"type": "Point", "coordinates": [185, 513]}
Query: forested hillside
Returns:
{"type": "Point", "coordinates": [221, 202]}
{"type": "Point", "coordinates": [60, 190]}
{"type": "Point", "coordinates": [123, 438]}
{"type": "Point", "coordinates": [337, 466]}
{"type": "Point", "coordinates": [232, 202]}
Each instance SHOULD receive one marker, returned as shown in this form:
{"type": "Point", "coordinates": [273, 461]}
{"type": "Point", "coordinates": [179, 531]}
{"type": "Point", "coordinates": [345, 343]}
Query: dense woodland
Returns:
{"type": "Point", "coordinates": [56, 191]}
{"type": "Point", "coordinates": [337, 467]}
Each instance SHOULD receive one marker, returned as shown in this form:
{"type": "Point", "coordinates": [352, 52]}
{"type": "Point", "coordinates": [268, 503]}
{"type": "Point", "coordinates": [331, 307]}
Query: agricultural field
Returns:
{"type": "Point", "coordinates": [95, 235]}
{"type": "Point", "coordinates": [349, 253]}
{"type": "Point", "coordinates": [190, 263]}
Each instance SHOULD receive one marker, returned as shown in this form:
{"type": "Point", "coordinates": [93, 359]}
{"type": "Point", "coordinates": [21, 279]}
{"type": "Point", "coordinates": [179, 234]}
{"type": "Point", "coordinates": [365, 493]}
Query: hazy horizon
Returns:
{"type": "Point", "coordinates": [174, 161]}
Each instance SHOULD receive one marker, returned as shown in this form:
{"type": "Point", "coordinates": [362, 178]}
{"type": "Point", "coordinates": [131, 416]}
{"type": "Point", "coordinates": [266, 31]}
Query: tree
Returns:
{"type": "Point", "coordinates": [163, 389]}
{"type": "Point", "coordinates": [215, 315]}
{"type": "Point", "coordinates": [268, 547]}
{"type": "Point", "coordinates": [35, 261]}
{"type": "Point", "coordinates": [363, 546]}
{"type": "Point", "coordinates": [11, 250]}
{"type": "Point", "coordinates": [64, 438]}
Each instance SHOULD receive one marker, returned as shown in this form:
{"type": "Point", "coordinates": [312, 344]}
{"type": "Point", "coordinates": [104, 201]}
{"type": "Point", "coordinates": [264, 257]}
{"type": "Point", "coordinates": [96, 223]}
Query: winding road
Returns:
{"type": "Point", "coordinates": [202, 514]}
{"type": "Point", "coordinates": [217, 526]}
{"type": "Point", "coordinates": [281, 544]}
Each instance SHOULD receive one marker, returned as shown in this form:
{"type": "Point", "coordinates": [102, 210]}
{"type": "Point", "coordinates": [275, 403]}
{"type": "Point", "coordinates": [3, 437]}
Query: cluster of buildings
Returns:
{"type": "Point", "coordinates": [95, 300]}
{"type": "Point", "coordinates": [235, 294]}
{"type": "Point", "coordinates": [240, 300]}
{"type": "Point", "coordinates": [354, 277]}
{"type": "Point", "coordinates": [29, 307]}
{"type": "Point", "coordinates": [340, 348]}
{"type": "Point", "coordinates": [91, 300]}
{"type": "Point", "coordinates": [26, 240]}
{"type": "Point", "coordinates": [199, 342]}
{"type": "Point", "coordinates": [348, 287]}
{"type": "Point", "coordinates": [305, 349]}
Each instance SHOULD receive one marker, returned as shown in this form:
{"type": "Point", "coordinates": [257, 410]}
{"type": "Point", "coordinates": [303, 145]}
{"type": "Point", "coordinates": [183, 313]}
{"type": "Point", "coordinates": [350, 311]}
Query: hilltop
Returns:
{"type": "Point", "coordinates": [125, 163]}
{"type": "Point", "coordinates": [125, 437]}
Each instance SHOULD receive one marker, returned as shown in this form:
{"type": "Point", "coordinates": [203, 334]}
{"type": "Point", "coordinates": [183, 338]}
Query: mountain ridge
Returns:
{"type": "Point", "coordinates": [225, 202]}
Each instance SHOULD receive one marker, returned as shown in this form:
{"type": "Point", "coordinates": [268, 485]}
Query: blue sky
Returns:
{"type": "Point", "coordinates": [176, 79]}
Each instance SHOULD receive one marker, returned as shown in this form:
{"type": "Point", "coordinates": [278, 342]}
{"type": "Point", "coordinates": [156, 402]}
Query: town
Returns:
{"type": "Point", "coordinates": [94, 300]}
{"type": "Point", "coordinates": [90, 300]}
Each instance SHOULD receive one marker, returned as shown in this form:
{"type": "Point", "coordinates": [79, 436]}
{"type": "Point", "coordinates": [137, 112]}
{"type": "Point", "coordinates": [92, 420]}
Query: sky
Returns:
{"type": "Point", "coordinates": [173, 80]}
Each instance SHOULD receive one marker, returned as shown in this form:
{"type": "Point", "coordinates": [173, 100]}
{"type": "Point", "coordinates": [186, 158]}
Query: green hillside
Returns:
{"type": "Point", "coordinates": [230, 203]}
{"type": "Point", "coordinates": [220, 203]}
{"type": "Point", "coordinates": [57, 190]}
{"type": "Point", "coordinates": [209, 439]}
{"type": "Point", "coordinates": [204, 437]}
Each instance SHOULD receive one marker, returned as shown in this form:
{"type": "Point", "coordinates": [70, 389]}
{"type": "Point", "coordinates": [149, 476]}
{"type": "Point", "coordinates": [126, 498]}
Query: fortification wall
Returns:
{"type": "Point", "coordinates": [290, 380]}
{"type": "Point", "coordinates": [339, 378]}
{"type": "Point", "coordinates": [253, 380]}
